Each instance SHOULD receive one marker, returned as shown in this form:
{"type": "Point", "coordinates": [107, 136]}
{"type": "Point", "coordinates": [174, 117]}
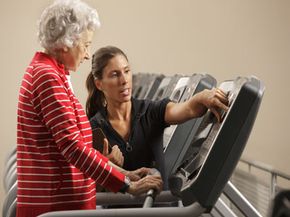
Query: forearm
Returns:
{"type": "Point", "coordinates": [120, 169]}
{"type": "Point", "coordinates": [177, 113]}
{"type": "Point", "coordinates": [215, 100]}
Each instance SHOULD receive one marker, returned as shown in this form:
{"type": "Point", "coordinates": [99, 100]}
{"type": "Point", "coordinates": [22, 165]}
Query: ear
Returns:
{"type": "Point", "coordinates": [65, 49]}
{"type": "Point", "coordinates": [98, 84]}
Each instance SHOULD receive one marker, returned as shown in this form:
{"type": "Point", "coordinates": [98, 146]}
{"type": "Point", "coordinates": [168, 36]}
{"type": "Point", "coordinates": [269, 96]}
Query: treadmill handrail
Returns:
{"type": "Point", "coordinates": [194, 210]}
{"type": "Point", "coordinates": [109, 198]}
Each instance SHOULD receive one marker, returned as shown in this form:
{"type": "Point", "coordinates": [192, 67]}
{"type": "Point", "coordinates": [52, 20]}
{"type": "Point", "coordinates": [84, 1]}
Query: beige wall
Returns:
{"type": "Point", "coordinates": [224, 38]}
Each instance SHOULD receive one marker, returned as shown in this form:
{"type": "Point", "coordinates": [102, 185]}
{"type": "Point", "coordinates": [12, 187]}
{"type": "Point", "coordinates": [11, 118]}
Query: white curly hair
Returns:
{"type": "Point", "coordinates": [62, 23]}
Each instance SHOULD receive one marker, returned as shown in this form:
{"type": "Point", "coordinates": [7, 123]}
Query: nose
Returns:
{"type": "Point", "coordinates": [87, 55]}
{"type": "Point", "coordinates": [124, 78]}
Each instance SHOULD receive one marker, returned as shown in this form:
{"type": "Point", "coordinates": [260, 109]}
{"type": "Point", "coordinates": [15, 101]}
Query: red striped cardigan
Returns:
{"type": "Point", "coordinates": [56, 164]}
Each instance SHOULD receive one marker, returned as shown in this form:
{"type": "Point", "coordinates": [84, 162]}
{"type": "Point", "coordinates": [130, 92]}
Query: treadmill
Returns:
{"type": "Point", "coordinates": [175, 96]}
{"type": "Point", "coordinates": [164, 85]}
{"type": "Point", "coordinates": [175, 136]}
{"type": "Point", "coordinates": [148, 86]}
{"type": "Point", "coordinates": [204, 170]}
{"type": "Point", "coordinates": [138, 81]}
{"type": "Point", "coordinates": [155, 80]}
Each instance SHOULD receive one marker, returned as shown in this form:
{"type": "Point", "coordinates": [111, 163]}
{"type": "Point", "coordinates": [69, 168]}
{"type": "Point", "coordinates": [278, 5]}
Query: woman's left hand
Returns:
{"type": "Point", "coordinates": [115, 156]}
{"type": "Point", "coordinates": [135, 175]}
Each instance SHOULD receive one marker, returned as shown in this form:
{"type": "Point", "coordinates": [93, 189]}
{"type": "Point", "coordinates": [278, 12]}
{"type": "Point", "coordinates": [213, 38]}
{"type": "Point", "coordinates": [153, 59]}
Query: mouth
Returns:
{"type": "Point", "coordinates": [125, 91]}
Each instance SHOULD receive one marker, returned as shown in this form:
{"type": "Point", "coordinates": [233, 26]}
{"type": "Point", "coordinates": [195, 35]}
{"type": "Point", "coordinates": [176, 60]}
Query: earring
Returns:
{"type": "Point", "coordinates": [105, 102]}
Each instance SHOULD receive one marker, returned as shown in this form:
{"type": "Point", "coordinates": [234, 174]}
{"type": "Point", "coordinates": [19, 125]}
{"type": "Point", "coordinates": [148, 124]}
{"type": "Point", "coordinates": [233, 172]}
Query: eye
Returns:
{"type": "Point", "coordinates": [114, 74]}
{"type": "Point", "coordinates": [86, 46]}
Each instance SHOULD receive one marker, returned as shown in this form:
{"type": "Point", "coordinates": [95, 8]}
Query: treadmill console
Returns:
{"type": "Point", "coordinates": [215, 149]}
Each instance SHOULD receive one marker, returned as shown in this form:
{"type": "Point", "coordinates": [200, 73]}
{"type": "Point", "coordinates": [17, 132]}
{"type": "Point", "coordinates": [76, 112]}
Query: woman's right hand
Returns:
{"type": "Point", "coordinates": [115, 156]}
{"type": "Point", "coordinates": [145, 184]}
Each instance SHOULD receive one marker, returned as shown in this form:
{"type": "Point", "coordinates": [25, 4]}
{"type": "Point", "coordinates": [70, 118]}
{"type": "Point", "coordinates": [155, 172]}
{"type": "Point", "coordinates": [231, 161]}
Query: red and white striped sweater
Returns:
{"type": "Point", "coordinates": [55, 158]}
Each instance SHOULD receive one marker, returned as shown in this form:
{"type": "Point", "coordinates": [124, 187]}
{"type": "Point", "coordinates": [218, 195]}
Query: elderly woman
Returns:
{"type": "Point", "coordinates": [57, 167]}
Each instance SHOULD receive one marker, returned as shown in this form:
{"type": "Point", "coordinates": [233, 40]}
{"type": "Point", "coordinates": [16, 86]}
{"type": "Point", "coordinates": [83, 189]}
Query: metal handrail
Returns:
{"type": "Point", "coordinates": [266, 168]}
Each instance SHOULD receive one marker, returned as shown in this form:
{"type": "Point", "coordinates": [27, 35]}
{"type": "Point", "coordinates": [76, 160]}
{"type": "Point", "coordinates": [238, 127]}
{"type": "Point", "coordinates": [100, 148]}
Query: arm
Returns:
{"type": "Point", "coordinates": [70, 129]}
{"type": "Point", "coordinates": [196, 106]}
{"type": "Point", "coordinates": [72, 136]}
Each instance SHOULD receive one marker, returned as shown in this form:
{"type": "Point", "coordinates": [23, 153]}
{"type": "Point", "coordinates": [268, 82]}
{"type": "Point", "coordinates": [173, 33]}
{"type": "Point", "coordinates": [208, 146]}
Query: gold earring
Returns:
{"type": "Point", "coordinates": [105, 102]}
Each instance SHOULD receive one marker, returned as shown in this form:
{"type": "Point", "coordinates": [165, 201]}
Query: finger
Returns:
{"type": "Point", "coordinates": [134, 177]}
{"type": "Point", "coordinates": [221, 105]}
{"type": "Point", "coordinates": [153, 179]}
{"type": "Point", "coordinates": [122, 161]}
{"type": "Point", "coordinates": [143, 187]}
{"type": "Point", "coordinates": [149, 182]}
{"type": "Point", "coordinates": [119, 155]}
{"type": "Point", "coordinates": [116, 155]}
{"type": "Point", "coordinates": [216, 114]}
{"type": "Point", "coordinates": [221, 92]}
{"type": "Point", "coordinates": [155, 183]}
{"type": "Point", "coordinates": [106, 147]}
{"type": "Point", "coordinates": [222, 98]}
{"type": "Point", "coordinates": [144, 171]}
{"type": "Point", "coordinates": [117, 151]}
{"type": "Point", "coordinates": [114, 149]}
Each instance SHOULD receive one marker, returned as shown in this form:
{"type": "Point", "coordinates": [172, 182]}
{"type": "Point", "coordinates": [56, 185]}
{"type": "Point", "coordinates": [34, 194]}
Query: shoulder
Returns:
{"type": "Point", "coordinates": [139, 102]}
{"type": "Point", "coordinates": [159, 104]}
{"type": "Point", "coordinates": [47, 71]}
{"type": "Point", "coordinates": [45, 74]}
{"type": "Point", "coordinates": [140, 105]}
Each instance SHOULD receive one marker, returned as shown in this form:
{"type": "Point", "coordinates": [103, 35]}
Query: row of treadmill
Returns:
{"type": "Point", "coordinates": [200, 155]}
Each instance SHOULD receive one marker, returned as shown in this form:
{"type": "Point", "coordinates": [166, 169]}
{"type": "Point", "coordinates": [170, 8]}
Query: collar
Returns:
{"type": "Point", "coordinates": [41, 57]}
{"type": "Point", "coordinates": [138, 109]}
